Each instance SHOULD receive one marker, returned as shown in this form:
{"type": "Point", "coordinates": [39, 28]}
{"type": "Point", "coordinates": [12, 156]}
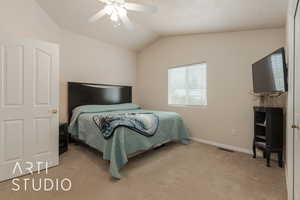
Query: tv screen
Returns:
{"type": "Point", "coordinates": [270, 74]}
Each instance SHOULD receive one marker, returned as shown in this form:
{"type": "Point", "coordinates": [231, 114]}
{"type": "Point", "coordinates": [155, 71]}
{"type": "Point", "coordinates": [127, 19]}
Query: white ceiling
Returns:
{"type": "Point", "coordinates": [173, 18]}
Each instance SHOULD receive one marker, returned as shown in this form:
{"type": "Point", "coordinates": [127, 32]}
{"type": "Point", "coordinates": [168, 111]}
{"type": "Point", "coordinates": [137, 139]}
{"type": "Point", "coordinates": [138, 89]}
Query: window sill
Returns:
{"type": "Point", "coordinates": [188, 106]}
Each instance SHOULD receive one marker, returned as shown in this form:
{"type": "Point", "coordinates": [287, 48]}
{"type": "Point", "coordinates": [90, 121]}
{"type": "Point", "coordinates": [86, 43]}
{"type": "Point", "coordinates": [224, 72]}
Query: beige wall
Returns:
{"type": "Point", "coordinates": [228, 118]}
{"type": "Point", "coordinates": [82, 59]}
{"type": "Point", "coordinates": [88, 60]}
{"type": "Point", "coordinates": [27, 19]}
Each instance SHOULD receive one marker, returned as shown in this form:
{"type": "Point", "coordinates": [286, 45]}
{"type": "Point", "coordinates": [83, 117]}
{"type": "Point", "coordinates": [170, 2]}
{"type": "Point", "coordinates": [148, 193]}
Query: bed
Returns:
{"type": "Point", "coordinates": [87, 100]}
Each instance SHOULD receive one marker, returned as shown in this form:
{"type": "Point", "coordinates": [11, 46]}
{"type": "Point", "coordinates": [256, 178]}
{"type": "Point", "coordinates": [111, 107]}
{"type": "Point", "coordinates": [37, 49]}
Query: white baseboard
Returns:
{"type": "Point", "coordinates": [230, 147]}
{"type": "Point", "coordinates": [225, 146]}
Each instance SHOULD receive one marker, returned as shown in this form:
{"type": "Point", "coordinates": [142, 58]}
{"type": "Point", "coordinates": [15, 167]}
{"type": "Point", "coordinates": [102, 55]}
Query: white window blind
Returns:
{"type": "Point", "coordinates": [187, 85]}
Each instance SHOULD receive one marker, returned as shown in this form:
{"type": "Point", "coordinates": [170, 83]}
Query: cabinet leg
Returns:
{"type": "Point", "coordinates": [268, 154]}
{"type": "Point", "coordinates": [280, 161]}
{"type": "Point", "coordinates": [254, 151]}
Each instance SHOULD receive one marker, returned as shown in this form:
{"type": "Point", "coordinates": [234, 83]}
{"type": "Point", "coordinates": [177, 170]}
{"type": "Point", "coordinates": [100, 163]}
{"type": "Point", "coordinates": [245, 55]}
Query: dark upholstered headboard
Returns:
{"type": "Point", "coordinates": [80, 94]}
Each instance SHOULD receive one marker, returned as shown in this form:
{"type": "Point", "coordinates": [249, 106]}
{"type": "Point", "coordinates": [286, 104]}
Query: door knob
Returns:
{"type": "Point", "coordinates": [54, 111]}
{"type": "Point", "coordinates": [295, 127]}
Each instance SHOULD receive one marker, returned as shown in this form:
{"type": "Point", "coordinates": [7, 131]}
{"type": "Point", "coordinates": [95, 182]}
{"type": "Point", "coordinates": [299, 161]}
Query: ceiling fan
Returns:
{"type": "Point", "coordinates": [118, 9]}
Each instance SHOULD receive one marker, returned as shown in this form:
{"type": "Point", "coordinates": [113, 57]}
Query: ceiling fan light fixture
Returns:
{"type": "Point", "coordinates": [122, 11]}
{"type": "Point", "coordinates": [109, 9]}
{"type": "Point", "coordinates": [114, 17]}
{"type": "Point", "coordinates": [117, 10]}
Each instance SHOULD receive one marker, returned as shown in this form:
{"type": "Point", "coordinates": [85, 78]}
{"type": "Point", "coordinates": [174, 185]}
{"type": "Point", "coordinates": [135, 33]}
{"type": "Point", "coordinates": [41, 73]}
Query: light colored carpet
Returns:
{"type": "Point", "coordinates": [173, 172]}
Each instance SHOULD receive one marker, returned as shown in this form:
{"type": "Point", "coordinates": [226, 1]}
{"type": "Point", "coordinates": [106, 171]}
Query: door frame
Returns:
{"type": "Point", "coordinates": [290, 137]}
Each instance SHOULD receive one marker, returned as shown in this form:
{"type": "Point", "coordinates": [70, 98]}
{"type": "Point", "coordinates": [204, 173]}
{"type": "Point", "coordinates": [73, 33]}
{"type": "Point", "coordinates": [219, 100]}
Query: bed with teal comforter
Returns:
{"type": "Point", "coordinates": [124, 141]}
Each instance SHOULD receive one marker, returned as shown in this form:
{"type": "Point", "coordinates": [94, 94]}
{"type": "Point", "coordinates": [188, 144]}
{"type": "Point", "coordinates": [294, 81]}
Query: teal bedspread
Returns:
{"type": "Point", "coordinates": [124, 141]}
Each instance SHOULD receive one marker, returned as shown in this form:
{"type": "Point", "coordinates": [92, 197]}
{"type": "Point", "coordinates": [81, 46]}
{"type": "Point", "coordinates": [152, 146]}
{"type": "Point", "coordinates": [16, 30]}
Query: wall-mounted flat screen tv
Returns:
{"type": "Point", "coordinates": [270, 73]}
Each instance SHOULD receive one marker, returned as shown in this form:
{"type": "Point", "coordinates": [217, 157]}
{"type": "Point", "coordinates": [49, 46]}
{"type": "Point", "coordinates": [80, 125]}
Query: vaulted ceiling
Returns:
{"type": "Point", "coordinates": [174, 17]}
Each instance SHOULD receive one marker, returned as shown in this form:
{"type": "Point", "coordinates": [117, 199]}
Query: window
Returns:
{"type": "Point", "coordinates": [187, 85]}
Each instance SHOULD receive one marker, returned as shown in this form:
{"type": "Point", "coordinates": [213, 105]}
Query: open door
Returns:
{"type": "Point", "coordinates": [28, 104]}
{"type": "Point", "coordinates": [296, 125]}
{"type": "Point", "coordinates": [293, 124]}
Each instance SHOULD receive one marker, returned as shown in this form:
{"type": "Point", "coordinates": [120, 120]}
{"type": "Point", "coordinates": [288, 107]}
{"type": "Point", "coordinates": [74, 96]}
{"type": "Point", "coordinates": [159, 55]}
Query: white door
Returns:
{"type": "Point", "coordinates": [297, 108]}
{"type": "Point", "coordinates": [28, 104]}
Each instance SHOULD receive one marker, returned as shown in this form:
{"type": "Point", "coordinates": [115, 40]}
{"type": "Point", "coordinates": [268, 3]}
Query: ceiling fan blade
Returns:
{"type": "Point", "coordinates": [126, 21]}
{"type": "Point", "coordinates": [141, 8]}
{"type": "Point", "coordinates": [97, 16]}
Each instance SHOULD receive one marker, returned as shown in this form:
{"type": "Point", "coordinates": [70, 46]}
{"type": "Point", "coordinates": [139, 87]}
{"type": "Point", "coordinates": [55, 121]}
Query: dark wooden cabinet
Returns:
{"type": "Point", "coordinates": [268, 132]}
{"type": "Point", "coordinates": [63, 138]}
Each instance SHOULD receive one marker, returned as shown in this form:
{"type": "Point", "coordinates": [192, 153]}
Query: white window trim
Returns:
{"type": "Point", "coordinates": [187, 105]}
